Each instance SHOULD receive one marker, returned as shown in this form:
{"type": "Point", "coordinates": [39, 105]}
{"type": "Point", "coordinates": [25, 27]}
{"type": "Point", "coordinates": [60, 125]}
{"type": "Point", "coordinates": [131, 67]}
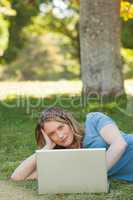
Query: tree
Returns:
{"type": "Point", "coordinates": [24, 11]}
{"type": "Point", "coordinates": [101, 67]}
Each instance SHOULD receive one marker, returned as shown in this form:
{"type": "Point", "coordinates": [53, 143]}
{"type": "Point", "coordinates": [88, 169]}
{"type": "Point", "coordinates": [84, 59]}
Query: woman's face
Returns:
{"type": "Point", "coordinates": [60, 133]}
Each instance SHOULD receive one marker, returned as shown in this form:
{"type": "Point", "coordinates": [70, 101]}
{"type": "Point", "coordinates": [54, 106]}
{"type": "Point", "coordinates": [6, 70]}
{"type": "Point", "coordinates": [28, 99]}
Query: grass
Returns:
{"type": "Point", "coordinates": [17, 141]}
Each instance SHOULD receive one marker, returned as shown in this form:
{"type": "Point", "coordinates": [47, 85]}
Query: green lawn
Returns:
{"type": "Point", "coordinates": [17, 122]}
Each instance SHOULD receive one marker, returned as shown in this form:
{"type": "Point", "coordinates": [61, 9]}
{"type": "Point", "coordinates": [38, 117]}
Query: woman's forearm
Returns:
{"type": "Point", "coordinates": [25, 168]}
{"type": "Point", "coordinates": [33, 175]}
{"type": "Point", "coordinates": [114, 153]}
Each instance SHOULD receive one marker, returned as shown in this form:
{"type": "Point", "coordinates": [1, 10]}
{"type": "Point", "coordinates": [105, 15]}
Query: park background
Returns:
{"type": "Point", "coordinates": [40, 66]}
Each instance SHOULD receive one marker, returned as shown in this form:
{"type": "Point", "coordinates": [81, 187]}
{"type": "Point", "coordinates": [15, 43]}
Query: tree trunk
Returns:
{"type": "Point", "coordinates": [101, 67]}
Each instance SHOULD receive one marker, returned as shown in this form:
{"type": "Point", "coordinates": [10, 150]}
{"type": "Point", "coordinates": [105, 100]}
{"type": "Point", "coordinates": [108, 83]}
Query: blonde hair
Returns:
{"type": "Point", "coordinates": [57, 114]}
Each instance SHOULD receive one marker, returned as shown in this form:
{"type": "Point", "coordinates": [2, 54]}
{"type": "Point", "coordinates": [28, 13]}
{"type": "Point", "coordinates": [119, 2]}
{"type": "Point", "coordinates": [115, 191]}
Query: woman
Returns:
{"type": "Point", "coordinates": [57, 129]}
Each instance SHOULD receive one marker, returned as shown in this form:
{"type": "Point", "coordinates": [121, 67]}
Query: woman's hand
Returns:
{"type": "Point", "coordinates": [49, 143]}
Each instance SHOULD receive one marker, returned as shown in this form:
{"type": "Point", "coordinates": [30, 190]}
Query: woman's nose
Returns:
{"type": "Point", "coordinates": [61, 135]}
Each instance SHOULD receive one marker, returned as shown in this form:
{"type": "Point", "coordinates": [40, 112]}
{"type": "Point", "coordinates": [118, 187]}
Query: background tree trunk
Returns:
{"type": "Point", "coordinates": [101, 67]}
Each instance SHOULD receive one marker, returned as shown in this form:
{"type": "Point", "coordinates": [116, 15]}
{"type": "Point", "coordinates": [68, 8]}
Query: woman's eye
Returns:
{"type": "Point", "coordinates": [54, 134]}
{"type": "Point", "coordinates": [61, 127]}
{"type": "Point", "coordinates": [51, 134]}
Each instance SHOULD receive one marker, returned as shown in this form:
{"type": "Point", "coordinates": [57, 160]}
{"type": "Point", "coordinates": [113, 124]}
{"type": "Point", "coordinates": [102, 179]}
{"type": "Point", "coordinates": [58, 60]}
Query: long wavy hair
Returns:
{"type": "Point", "coordinates": [57, 114]}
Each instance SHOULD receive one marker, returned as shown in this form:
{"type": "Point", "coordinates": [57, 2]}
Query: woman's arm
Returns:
{"type": "Point", "coordinates": [24, 169]}
{"type": "Point", "coordinates": [33, 175]}
{"type": "Point", "coordinates": [27, 169]}
{"type": "Point", "coordinates": [111, 134]}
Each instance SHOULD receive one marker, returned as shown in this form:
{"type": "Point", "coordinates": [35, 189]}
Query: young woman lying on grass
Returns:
{"type": "Point", "coordinates": [57, 129]}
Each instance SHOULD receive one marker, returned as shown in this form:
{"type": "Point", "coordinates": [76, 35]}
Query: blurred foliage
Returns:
{"type": "Point", "coordinates": [24, 10]}
{"type": "Point", "coordinates": [33, 60]}
{"type": "Point", "coordinates": [64, 23]}
{"type": "Point", "coordinates": [39, 60]}
{"type": "Point", "coordinates": [4, 34]}
{"type": "Point", "coordinates": [50, 17]}
{"type": "Point", "coordinates": [127, 55]}
{"type": "Point", "coordinates": [24, 23]}
{"type": "Point", "coordinates": [126, 11]}
{"type": "Point", "coordinates": [127, 34]}
{"type": "Point", "coordinates": [5, 10]}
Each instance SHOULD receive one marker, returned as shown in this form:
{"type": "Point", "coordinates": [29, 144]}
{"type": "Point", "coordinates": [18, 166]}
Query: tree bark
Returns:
{"type": "Point", "coordinates": [100, 42]}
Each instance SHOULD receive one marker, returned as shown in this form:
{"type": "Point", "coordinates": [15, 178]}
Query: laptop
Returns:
{"type": "Point", "coordinates": [72, 171]}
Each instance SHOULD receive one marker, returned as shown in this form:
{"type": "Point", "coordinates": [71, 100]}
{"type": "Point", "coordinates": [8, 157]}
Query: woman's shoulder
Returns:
{"type": "Point", "coordinates": [92, 114]}
{"type": "Point", "coordinates": [98, 116]}
{"type": "Point", "coordinates": [100, 119]}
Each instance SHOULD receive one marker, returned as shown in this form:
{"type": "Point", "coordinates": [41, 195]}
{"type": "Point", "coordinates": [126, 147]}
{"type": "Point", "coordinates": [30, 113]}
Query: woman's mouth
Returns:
{"type": "Point", "coordinates": [64, 140]}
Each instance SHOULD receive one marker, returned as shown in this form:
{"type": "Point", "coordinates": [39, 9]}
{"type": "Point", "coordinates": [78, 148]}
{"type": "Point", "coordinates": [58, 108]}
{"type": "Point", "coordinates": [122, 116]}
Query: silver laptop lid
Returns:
{"type": "Point", "coordinates": [72, 170]}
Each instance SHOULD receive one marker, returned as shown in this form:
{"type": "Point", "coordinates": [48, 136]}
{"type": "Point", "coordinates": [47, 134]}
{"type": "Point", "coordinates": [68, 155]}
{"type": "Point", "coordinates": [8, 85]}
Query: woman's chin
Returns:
{"type": "Point", "coordinates": [67, 143]}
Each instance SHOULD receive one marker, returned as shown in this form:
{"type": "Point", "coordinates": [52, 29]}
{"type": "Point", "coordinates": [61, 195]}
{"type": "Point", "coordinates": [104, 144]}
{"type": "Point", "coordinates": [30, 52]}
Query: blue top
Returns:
{"type": "Point", "coordinates": [123, 169]}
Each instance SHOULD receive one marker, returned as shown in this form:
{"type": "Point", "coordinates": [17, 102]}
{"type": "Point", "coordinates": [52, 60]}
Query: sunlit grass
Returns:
{"type": "Point", "coordinates": [44, 89]}
{"type": "Point", "coordinates": [39, 88]}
